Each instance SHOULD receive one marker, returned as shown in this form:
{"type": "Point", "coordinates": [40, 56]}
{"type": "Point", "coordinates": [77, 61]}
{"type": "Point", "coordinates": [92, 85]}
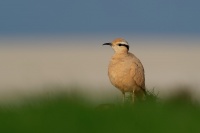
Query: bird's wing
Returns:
{"type": "Point", "coordinates": [137, 72]}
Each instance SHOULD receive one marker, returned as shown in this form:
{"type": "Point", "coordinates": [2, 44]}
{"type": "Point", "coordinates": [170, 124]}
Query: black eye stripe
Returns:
{"type": "Point", "coordinates": [124, 45]}
{"type": "Point", "coordinates": [121, 44]}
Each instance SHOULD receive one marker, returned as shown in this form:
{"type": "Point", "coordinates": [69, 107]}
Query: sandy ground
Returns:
{"type": "Point", "coordinates": [30, 69]}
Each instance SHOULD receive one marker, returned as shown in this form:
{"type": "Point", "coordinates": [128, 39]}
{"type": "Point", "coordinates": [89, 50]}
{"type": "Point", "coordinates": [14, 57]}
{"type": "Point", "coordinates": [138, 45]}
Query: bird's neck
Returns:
{"type": "Point", "coordinates": [121, 53]}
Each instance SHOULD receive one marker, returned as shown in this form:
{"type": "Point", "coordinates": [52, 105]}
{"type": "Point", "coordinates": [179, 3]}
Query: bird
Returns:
{"type": "Point", "coordinates": [126, 71]}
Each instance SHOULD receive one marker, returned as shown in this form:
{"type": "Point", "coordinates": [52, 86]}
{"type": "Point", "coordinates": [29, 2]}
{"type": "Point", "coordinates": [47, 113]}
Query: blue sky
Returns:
{"type": "Point", "coordinates": [22, 17]}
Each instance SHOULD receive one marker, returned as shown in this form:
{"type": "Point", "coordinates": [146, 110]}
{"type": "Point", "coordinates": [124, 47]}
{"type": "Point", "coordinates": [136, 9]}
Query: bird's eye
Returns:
{"type": "Point", "coordinates": [120, 44]}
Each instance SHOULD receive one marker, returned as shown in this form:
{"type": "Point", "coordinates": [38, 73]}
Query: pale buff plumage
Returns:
{"type": "Point", "coordinates": [125, 70]}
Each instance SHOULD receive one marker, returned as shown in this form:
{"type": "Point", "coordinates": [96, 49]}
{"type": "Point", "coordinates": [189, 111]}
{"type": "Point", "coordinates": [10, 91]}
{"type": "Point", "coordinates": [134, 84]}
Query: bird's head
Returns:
{"type": "Point", "coordinates": [119, 45]}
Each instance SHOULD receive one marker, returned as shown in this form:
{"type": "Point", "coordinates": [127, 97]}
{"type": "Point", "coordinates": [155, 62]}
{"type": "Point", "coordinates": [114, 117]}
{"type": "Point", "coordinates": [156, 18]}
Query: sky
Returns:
{"type": "Point", "coordinates": [57, 17]}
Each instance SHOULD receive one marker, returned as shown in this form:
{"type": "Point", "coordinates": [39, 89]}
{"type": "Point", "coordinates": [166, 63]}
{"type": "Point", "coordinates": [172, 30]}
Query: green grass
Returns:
{"type": "Point", "coordinates": [62, 114]}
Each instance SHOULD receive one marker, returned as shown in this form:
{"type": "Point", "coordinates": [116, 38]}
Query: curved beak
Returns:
{"type": "Point", "coordinates": [107, 44]}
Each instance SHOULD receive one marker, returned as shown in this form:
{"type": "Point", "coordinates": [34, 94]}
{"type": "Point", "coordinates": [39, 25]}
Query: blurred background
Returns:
{"type": "Point", "coordinates": [47, 46]}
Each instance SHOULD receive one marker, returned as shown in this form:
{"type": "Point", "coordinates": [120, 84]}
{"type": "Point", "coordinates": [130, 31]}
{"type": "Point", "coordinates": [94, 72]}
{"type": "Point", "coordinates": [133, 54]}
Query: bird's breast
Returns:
{"type": "Point", "coordinates": [119, 74]}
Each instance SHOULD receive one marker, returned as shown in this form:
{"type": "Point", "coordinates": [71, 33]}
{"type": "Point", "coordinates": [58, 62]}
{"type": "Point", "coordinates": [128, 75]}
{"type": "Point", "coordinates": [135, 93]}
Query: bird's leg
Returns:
{"type": "Point", "coordinates": [133, 96]}
{"type": "Point", "coordinates": [123, 97]}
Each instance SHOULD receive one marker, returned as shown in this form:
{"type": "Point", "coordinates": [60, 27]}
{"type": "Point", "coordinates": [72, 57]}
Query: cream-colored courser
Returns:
{"type": "Point", "coordinates": [125, 70]}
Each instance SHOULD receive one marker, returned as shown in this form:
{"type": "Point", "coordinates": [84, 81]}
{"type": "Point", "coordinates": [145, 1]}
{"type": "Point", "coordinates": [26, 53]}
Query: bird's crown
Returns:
{"type": "Point", "coordinates": [119, 41]}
